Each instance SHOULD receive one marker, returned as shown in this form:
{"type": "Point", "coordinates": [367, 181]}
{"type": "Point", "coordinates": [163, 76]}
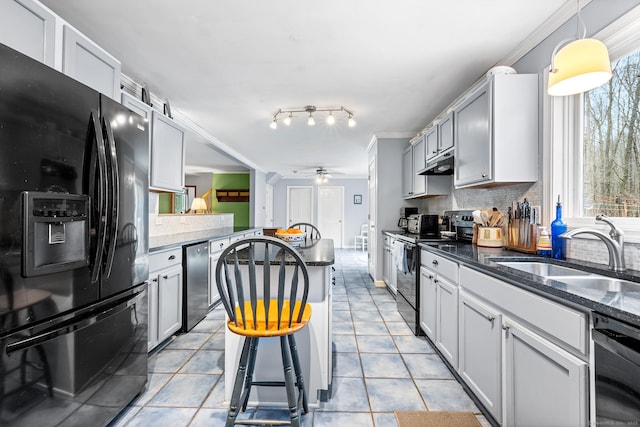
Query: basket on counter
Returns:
{"type": "Point", "coordinates": [292, 238]}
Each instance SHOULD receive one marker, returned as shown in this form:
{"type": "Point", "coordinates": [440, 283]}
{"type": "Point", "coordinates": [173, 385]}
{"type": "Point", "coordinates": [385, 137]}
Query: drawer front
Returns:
{"type": "Point", "coordinates": [237, 237]}
{"type": "Point", "coordinates": [164, 259]}
{"type": "Point", "coordinates": [218, 245]}
{"type": "Point", "coordinates": [442, 266]}
{"type": "Point", "coordinates": [556, 321]}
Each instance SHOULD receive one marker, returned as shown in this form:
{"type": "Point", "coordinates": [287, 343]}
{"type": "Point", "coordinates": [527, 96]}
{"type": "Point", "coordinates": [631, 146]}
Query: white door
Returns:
{"type": "Point", "coordinates": [372, 241]}
{"type": "Point", "coordinates": [299, 205]}
{"type": "Point", "coordinates": [268, 205]}
{"type": "Point", "coordinates": [331, 214]}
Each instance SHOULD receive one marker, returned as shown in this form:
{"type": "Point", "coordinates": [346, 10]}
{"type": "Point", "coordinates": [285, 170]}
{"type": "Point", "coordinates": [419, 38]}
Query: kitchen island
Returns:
{"type": "Point", "coordinates": [314, 341]}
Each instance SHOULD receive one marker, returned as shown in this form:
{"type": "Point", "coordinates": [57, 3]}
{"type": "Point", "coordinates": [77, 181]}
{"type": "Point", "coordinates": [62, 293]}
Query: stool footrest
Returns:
{"type": "Point", "coordinates": [262, 423]}
{"type": "Point", "coordinates": [268, 383]}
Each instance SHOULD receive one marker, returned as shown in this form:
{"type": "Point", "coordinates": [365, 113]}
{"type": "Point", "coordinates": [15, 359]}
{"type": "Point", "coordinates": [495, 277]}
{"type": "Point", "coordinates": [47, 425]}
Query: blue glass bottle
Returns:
{"type": "Point", "coordinates": [558, 226]}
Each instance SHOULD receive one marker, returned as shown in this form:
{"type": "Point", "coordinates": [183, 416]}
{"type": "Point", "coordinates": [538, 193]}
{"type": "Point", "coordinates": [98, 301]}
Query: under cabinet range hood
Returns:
{"type": "Point", "coordinates": [440, 165]}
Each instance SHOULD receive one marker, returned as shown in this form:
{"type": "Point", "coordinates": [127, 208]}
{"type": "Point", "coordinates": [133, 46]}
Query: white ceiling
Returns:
{"type": "Point", "coordinates": [229, 65]}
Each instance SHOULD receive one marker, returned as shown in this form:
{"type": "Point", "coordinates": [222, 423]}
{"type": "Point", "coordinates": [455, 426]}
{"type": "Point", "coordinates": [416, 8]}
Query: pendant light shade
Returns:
{"type": "Point", "coordinates": [580, 66]}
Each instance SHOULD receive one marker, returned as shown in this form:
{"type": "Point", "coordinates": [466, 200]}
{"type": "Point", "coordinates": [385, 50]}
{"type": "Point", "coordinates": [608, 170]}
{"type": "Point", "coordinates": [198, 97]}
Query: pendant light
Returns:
{"type": "Point", "coordinates": [579, 66]}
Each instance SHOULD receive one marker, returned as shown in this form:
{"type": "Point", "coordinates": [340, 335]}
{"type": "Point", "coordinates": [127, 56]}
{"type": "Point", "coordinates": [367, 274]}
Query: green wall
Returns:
{"type": "Point", "coordinates": [229, 181]}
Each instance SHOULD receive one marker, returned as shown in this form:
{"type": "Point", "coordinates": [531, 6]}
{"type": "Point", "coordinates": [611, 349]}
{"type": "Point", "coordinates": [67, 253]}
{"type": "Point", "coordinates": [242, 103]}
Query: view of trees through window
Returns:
{"type": "Point", "coordinates": [611, 175]}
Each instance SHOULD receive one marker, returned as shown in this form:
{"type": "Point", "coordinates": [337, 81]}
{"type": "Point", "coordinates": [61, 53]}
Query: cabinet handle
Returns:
{"type": "Point", "coordinates": [165, 277]}
{"type": "Point", "coordinates": [484, 175]}
{"type": "Point", "coordinates": [172, 257]}
{"type": "Point", "coordinates": [491, 319]}
{"type": "Point", "coordinates": [447, 154]}
{"type": "Point", "coordinates": [155, 279]}
{"type": "Point", "coordinates": [435, 280]}
{"type": "Point", "coordinates": [221, 245]}
{"type": "Point", "coordinates": [434, 262]}
{"type": "Point", "coordinates": [506, 328]}
{"type": "Point", "coordinates": [434, 152]}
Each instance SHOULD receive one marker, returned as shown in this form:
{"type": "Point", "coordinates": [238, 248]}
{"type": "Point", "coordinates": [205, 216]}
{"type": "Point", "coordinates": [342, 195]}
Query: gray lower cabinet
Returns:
{"type": "Point", "coordinates": [389, 265]}
{"type": "Point", "coordinates": [447, 319]}
{"type": "Point", "coordinates": [165, 296]}
{"type": "Point", "coordinates": [480, 352]}
{"type": "Point", "coordinates": [86, 62]}
{"type": "Point", "coordinates": [215, 250]}
{"type": "Point", "coordinates": [544, 385]}
{"type": "Point", "coordinates": [534, 347]}
{"type": "Point", "coordinates": [428, 303]}
{"type": "Point", "coordinates": [30, 28]}
{"type": "Point", "coordinates": [439, 303]}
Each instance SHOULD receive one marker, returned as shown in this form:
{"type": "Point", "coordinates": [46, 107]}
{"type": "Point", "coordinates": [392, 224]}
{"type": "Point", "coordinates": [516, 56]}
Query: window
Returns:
{"type": "Point", "coordinates": [611, 143]}
{"type": "Point", "coordinates": [591, 155]}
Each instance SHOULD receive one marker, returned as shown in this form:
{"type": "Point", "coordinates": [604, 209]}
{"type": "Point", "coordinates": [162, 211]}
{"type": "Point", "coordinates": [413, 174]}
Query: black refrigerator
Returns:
{"type": "Point", "coordinates": [73, 249]}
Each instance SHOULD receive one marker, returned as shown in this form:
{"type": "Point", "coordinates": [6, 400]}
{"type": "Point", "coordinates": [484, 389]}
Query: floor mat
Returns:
{"type": "Point", "coordinates": [436, 419]}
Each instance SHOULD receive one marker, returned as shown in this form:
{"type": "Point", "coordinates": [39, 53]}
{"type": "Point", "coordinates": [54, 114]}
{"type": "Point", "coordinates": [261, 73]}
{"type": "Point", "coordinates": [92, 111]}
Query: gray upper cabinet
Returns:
{"type": "Point", "coordinates": [445, 133]}
{"type": "Point", "coordinates": [89, 64]}
{"type": "Point", "coordinates": [137, 106]}
{"type": "Point", "coordinates": [496, 132]}
{"type": "Point", "coordinates": [440, 137]}
{"type": "Point", "coordinates": [167, 154]}
{"type": "Point", "coordinates": [419, 181]}
{"type": "Point", "coordinates": [28, 27]}
{"type": "Point", "coordinates": [407, 172]}
{"type": "Point", "coordinates": [431, 141]}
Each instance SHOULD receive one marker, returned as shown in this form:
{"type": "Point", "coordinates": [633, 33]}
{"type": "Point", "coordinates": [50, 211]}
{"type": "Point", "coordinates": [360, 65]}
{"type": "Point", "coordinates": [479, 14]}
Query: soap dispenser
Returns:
{"type": "Point", "coordinates": [544, 243]}
{"type": "Point", "coordinates": [558, 226]}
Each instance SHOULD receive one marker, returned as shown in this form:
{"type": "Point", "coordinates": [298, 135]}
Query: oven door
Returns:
{"type": "Point", "coordinates": [617, 373]}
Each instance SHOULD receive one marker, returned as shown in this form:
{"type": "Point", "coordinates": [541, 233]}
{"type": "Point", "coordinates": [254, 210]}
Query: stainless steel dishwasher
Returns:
{"type": "Point", "coordinates": [195, 298]}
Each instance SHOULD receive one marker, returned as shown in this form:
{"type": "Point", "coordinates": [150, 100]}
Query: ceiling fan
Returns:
{"type": "Point", "coordinates": [320, 175]}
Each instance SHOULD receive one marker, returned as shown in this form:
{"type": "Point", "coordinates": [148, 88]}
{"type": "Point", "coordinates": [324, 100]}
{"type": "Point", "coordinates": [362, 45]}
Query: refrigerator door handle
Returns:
{"type": "Point", "coordinates": [102, 195]}
{"type": "Point", "coordinates": [73, 325]}
{"type": "Point", "coordinates": [113, 196]}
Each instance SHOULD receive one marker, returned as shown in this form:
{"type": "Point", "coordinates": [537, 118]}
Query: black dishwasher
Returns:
{"type": "Point", "coordinates": [195, 295]}
{"type": "Point", "coordinates": [617, 372]}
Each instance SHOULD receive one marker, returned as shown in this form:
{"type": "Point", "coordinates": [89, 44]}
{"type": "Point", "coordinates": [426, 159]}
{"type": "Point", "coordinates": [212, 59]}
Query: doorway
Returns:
{"type": "Point", "coordinates": [331, 214]}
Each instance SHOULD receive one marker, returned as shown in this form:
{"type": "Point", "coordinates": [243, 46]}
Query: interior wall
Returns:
{"type": "Point", "coordinates": [354, 215]}
{"type": "Point", "coordinates": [240, 210]}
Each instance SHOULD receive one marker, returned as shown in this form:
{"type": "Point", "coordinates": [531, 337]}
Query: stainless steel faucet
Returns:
{"type": "Point", "coordinates": [614, 241]}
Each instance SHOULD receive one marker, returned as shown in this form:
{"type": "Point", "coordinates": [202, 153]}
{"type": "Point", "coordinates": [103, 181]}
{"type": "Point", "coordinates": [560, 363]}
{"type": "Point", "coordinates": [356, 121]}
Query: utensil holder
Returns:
{"type": "Point", "coordinates": [522, 236]}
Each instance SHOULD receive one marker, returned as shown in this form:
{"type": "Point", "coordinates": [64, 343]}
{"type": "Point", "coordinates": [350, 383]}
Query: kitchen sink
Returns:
{"type": "Point", "coordinates": [543, 269]}
{"type": "Point", "coordinates": [598, 283]}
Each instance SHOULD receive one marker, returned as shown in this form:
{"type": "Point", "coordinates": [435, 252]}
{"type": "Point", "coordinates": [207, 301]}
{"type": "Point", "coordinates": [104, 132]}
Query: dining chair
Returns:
{"type": "Point", "coordinates": [362, 239]}
{"type": "Point", "coordinates": [259, 307]}
{"type": "Point", "coordinates": [311, 230]}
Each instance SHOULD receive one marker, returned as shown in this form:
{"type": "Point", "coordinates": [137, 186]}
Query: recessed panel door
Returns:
{"type": "Point", "coordinates": [299, 205]}
{"type": "Point", "coordinates": [331, 214]}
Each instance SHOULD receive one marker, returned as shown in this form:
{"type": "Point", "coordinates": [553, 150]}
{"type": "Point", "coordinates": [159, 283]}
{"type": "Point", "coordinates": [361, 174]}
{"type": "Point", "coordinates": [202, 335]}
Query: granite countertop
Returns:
{"type": "Point", "coordinates": [315, 253]}
{"type": "Point", "coordinates": [157, 243]}
{"type": "Point", "coordinates": [625, 306]}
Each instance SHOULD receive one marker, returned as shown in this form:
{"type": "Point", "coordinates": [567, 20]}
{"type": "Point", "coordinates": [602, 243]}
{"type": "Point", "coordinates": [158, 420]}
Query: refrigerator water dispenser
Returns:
{"type": "Point", "coordinates": [56, 232]}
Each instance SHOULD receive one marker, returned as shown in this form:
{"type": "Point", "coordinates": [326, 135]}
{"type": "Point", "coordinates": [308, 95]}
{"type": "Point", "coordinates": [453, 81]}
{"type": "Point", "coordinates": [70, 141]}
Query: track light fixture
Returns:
{"type": "Point", "coordinates": [311, 109]}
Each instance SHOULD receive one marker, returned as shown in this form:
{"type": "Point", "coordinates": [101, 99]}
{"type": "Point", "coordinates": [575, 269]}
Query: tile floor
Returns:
{"type": "Point", "coordinates": [379, 367]}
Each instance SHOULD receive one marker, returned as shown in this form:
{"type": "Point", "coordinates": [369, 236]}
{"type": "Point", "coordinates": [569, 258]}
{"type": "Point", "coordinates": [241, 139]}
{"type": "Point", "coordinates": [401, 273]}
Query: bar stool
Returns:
{"type": "Point", "coordinates": [311, 230]}
{"type": "Point", "coordinates": [259, 308]}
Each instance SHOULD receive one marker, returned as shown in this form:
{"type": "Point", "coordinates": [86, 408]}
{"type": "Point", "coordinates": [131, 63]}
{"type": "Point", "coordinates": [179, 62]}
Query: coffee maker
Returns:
{"type": "Point", "coordinates": [405, 212]}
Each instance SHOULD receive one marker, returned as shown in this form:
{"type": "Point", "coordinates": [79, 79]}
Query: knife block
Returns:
{"type": "Point", "coordinates": [522, 236]}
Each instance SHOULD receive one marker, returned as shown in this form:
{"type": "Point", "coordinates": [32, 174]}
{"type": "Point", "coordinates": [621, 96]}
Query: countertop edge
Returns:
{"type": "Point", "coordinates": [533, 283]}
